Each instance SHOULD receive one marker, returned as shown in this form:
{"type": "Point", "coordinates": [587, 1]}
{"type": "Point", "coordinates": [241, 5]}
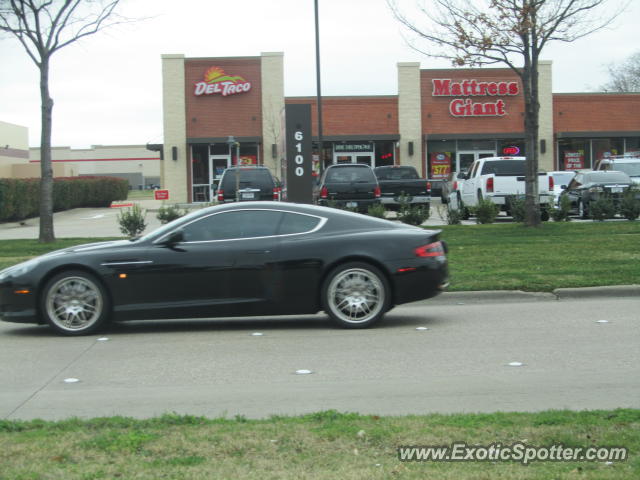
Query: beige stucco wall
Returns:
{"type": "Point", "coordinates": [174, 172]}
{"type": "Point", "coordinates": [105, 159]}
{"type": "Point", "coordinates": [14, 147]}
{"type": "Point", "coordinates": [32, 170]}
{"type": "Point", "coordinates": [410, 114]}
{"type": "Point", "coordinates": [272, 79]}
{"type": "Point", "coordinates": [545, 95]}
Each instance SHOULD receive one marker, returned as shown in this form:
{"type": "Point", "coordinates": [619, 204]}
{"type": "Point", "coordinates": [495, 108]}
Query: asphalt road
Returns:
{"type": "Point", "coordinates": [460, 363]}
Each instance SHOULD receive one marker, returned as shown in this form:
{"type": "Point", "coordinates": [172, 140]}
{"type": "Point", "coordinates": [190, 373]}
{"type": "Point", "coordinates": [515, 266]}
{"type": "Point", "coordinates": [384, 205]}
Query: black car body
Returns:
{"type": "Point", "coordinates": [239, 259]}
{"type": "Point", "coordinates": [350, 185]}
{"type": "Point", "coordinates": [587, 187]}
{"type": "Point", "coordinates": [248, 183]}
{"type": "Point", "coordinates": [398, 181]}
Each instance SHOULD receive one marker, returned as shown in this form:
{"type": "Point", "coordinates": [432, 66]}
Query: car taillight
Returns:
{"type": "Point", "coordinates": [428, 186]}
{"type": "Point", "coordinates": [377, 192]}
{"type": "Point", "coordinates": [551, 184]}
{"type": "Point", "coordinates": [221, 195]}
{"type": "Point", "coordinates": [324, 193]}
{"type": "Point", "coordinates": [489, 184]}
{"type": "Point", "coordinates": [455, 185]}
{"type": "Point", "coordinates": [434, 249]}
{"type": "Point", "coordinates": [276, 193]}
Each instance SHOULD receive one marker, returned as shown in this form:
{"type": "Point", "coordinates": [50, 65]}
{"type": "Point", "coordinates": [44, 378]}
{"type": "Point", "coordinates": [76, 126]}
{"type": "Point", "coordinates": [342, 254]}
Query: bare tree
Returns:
{"type": "Point", "coordinates": [508, 32]}
{"type": "Point", "coordinates": [43, 27]}
{"type": "Point", "coordinates": [625, 76]}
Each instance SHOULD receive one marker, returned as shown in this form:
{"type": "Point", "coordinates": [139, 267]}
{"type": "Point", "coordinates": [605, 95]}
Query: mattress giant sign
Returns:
{"type": "Point", "coordinates": [466, 107]}
{"type": "Point", "coordinates": [216, 81]}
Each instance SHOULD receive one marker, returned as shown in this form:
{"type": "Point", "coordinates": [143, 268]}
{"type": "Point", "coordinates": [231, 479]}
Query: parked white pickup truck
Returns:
{"type": "Point", "coordinates": [501, 180]}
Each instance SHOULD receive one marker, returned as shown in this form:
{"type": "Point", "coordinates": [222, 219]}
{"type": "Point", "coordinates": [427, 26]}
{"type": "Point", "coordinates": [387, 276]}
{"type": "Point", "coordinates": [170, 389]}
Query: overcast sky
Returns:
{"type": "Point", "coordinates": [108, 88]}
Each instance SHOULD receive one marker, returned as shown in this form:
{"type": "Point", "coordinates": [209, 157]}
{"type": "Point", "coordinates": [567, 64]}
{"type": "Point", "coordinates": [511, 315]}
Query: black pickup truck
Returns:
{"type": "Point", "coordinates": [350, 185]}
{"type": "Point", "coordinates": [398, 180]}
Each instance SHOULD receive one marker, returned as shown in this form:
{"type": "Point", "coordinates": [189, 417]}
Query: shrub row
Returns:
{"type": "Point", "coordinates": [20, 198]}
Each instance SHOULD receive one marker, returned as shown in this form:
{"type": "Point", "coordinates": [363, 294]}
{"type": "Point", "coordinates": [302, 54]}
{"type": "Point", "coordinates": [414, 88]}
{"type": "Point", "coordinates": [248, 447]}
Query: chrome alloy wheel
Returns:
{"type": "Point", "coordinates": [356, 295]}
{"type": "Point", "coordinates": [74, 303]}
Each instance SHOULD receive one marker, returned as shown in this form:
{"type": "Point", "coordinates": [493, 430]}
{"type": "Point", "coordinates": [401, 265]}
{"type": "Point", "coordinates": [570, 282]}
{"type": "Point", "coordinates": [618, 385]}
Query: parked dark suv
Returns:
{"type": "Point", "coordinates": [350, 185]}
{"type": "Point", "coordinates": [250, 183]}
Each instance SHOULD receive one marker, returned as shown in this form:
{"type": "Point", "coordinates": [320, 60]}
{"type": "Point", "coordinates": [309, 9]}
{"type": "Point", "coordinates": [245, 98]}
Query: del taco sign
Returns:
{"type": "Point", "coordinates": [217, 82]}
{"type": "Point", "coordinates": [468, 107]}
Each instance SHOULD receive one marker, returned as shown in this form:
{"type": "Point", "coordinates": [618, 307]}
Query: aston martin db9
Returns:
{"type": "Point", "coordinates": [239, 259]}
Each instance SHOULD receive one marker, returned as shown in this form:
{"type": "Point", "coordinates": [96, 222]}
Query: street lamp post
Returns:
{"type": "Point", "coordinates": [319, 100]}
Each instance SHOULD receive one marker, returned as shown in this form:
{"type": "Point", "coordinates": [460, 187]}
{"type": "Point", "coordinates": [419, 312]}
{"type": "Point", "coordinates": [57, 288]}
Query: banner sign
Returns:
{"type": "Point", "coordinates": [216, 81]}
{"type": "Point", "coordinates": [352, 147]}
{"type": "Point", "coordinates": [466, 107]}
{"type": "Point", "coordinates": [574, 160]}
{"type": "Point", "coordinates": [299, 179]}
{"type": "Point", "coordinates": [440, 165]}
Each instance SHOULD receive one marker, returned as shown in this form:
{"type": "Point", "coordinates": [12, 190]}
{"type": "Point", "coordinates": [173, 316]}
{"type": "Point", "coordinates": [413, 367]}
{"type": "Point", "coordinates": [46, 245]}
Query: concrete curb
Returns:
{"type": "Point", "coordinates": [516, 296]}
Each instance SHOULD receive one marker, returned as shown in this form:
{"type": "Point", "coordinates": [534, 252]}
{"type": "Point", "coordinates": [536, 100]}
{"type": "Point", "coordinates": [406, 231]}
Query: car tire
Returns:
{"type": "Point", "coordinates": [582, 210]}
{"type": "Point", "coordinates": [75, 302]}
{"type": "Point", "coordinates": [544, 214]}
{"type": "Point", "coordinates": [356, 295]}
{"type": "Point", "coordinates": [464, 211]}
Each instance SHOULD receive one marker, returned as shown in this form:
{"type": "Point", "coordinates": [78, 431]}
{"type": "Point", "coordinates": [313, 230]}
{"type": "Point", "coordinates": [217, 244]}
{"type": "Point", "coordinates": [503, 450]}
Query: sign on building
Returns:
{"type": "Point", "coordinates": [299, 179]}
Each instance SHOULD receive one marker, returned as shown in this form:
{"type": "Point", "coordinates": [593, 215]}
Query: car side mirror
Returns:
{"type": "Point", "coordinates": [175, 237]}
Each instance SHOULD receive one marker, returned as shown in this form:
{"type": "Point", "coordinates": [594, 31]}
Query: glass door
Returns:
{"type": "Point", "coordinates": [465, 159]}
{"type": "Point", "coordinates": [217, 165]}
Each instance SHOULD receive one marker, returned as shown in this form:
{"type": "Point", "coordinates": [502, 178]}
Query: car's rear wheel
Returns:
{"type": "Point", "coordinates": [75, 303]}
{"type": "Point", "coordinates": [356, 295]}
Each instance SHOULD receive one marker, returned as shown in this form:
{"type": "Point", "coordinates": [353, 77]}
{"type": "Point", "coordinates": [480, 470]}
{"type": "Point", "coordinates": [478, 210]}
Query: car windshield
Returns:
{"type": "Point", "coordinates": [396, 173]}
{"type": "Point", "coordinates": [248, 177]}
{"type": "Point", "coordinates": [504, 167]}
{"type": "Point", "coordinates": [563, 178]}
{"type": "Point", "coordinates": [631, 169]}
{"type": "Point", "coordinates": [606, 177]}
{"type": "Point", "coordinates": [350, 174]}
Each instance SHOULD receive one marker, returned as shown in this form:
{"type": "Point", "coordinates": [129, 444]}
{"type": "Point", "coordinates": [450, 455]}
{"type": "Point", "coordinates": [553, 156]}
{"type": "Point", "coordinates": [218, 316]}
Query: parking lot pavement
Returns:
{"type": "Point", "coordinates": [79, 222]}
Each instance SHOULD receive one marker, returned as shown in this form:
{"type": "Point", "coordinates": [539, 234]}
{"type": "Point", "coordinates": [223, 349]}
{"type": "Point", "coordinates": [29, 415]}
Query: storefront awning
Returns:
{"type": "Point", "coordinates": [473, 136]}
{"type": "Point", "coordinates": [597, 134]}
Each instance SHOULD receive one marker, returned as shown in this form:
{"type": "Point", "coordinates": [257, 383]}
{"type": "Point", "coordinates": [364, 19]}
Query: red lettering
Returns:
{"type": "Point", "coordinates": [441, 88]}
{"type": "Point", "coordinates": [502, 88]}
{"type": "Point", "coordinates": [513, 88]}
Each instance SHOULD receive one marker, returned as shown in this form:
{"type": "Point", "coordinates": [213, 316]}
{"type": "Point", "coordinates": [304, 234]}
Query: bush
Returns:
{"type": "Point", "coordinates": [413, 215]}
{"type": "Point", "coordinates": [517, 209]}
{"type": "Point", "coordinates": [377, 210]}
{"type": "Point", "coordinates": [561, 214]}
{"type": "Point", "coordinates": [132, 221]}
{"type": "Point", "coordinates": [486, 211]}
{"type": "Point", "coordinates": [452, 216]}
{"type": "Point", "coordinates": [20, 198]}
{"type": "Point", "coordinates": [602, 208]}
{"type": "Point", "coordinates": [170, 213]}
{"type": "Point", "coordinates": [630, 205]}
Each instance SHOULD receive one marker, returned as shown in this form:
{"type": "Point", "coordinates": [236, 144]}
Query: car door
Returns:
{"type": "Point", "coordinates": [468, 189]}
{"type": "Point", "coordinates": [574, 192]}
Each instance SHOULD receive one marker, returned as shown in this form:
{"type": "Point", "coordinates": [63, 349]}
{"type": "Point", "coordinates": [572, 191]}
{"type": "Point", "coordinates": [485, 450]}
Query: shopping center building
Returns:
{"type": "Point", "coordinates": [227, 110]}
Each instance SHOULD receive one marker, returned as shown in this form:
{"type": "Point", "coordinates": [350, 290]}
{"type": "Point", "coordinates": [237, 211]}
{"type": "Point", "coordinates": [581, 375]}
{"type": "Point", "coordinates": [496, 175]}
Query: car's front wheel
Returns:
{"type": "Point", "coordinates": [75, 303]}
{"type": "Point", "coordinates": [356, 295]}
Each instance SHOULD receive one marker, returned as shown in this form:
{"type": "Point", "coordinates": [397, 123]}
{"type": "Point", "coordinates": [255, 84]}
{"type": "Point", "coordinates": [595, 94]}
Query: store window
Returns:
{"type": "Point", "coordinates": [632, 145]}
{"type": "Point", "coordinates": [511, 148]}
{"type": "Point", "coordinates": [574, 154]}
{"type": "Point", "coordinates": [248, 154]}
{"type": "Point", "coordinates": [385, 153]}
{"type": "Point", "coordinates": [441, 158]}
{"type": "Point", "coordinates": [219, 149]}
{"type": "Point", "coordinates": [606, 147]}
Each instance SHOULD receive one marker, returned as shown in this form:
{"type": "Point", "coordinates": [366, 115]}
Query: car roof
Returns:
{"type": "Point", "coordinates": [342, 165]}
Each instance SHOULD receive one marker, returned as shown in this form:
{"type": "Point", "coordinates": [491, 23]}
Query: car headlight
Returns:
{"type": "Point", "coordinates": [19, 269]}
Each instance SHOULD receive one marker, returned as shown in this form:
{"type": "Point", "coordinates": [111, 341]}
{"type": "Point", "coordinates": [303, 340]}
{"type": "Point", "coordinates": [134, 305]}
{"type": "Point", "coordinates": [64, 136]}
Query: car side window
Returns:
{"type": "Point", "coordinates": [295, 223]}
{"type": "Point", "coordinates": [233, 225]}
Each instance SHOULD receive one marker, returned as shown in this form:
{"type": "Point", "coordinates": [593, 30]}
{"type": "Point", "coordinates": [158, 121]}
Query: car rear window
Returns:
{"type": "Point", "coordinates": [350, 174]}
{"type": "Point", "coordinates": [504, 167]}
{"type": "Point", "coordinates": [250, 177]}
{"type": "Point", "coordinates": [396, 173]}
{"type": "Point", "coordinates": [631, 169]}
{"type": "Point", "coordinates": [294, 223]}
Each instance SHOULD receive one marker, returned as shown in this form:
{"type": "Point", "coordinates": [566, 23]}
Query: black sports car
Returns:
{"type": "Point", "coordinates": [239, 259]}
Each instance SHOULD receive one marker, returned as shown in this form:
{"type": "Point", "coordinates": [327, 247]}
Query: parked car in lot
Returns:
{"type": "Point", "coordinates": [561, 180]}
{"type": "Point", "coordinates": [629, 164]}
{"type": "Point", "coordinates": [501, 180]}
{"type": "Point", "coordinates": [350, 185]}
{"type": "Point", "coordinates": [238, 259]}
{"type": "Point", "coordinates": [398, 181]}
{"type": "Point", "coordinates": [587, 187]}
{"type": "Point", "coordinates": [451, 186]}
{"type": "Point", "coordinates": [248, 183]}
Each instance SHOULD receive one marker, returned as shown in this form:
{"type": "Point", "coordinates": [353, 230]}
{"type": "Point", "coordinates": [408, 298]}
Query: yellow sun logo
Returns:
{"type": "Point", "coordinates": [217, 74]}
